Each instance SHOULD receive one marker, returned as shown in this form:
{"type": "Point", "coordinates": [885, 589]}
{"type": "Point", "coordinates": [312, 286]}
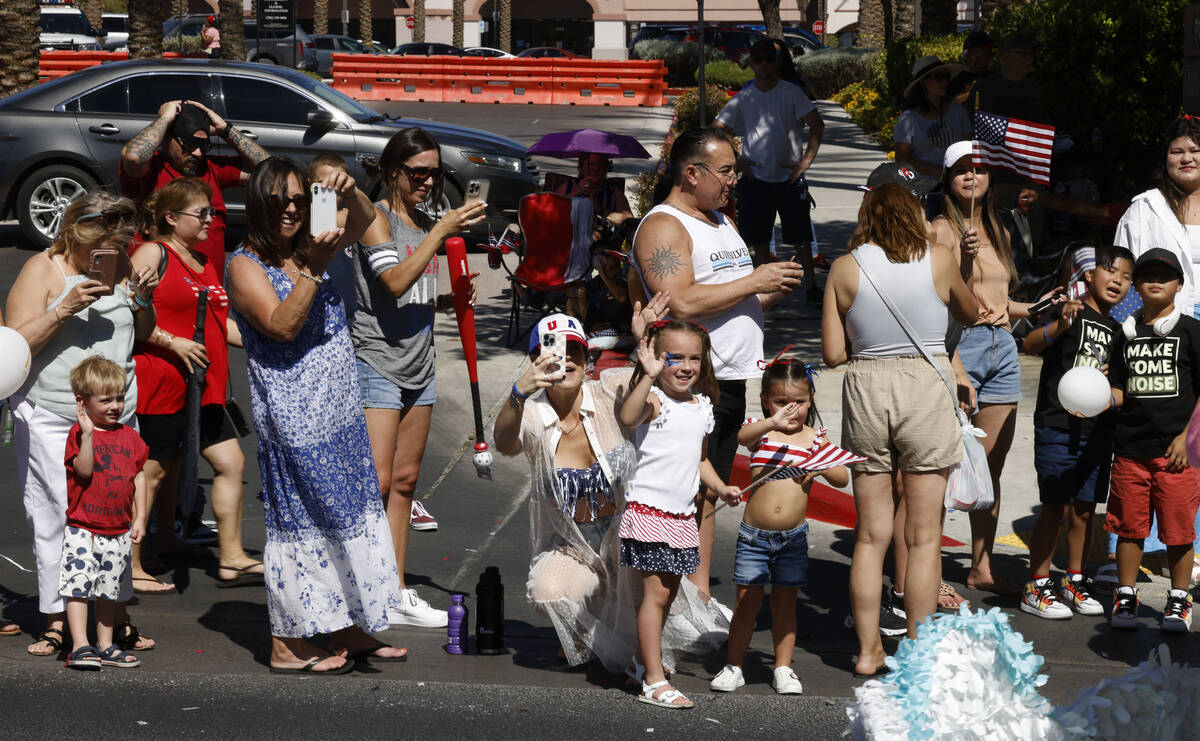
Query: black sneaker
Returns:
{"type": "Point", "coordinates": [892, 620]}
{"type": "Point", "coordinates": [1125, 605]}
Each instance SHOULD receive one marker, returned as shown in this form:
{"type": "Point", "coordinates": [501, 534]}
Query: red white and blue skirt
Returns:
{"type": "Point", "coordinates": [653, 540]}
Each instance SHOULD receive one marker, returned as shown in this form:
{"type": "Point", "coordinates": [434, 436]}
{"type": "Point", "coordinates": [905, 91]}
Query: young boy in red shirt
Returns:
{"type": "Point", "coordinates": [106, 512]}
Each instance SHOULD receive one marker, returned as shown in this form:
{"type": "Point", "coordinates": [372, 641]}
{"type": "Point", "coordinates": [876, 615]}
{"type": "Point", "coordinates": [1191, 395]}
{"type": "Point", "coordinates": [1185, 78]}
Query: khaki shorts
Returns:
{"type": "Point", "coordinates": [897, 413]}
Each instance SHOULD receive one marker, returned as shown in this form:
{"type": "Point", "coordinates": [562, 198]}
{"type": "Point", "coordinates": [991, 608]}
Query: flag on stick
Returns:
{"type": "Point", "coordinates": [1015, 145]}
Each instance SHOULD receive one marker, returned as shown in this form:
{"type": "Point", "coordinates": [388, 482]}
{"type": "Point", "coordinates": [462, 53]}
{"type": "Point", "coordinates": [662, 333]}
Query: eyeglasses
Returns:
{"type": "Point", "coordinates": [190, 144]}
{"type": "Point", "coordinates": [300, 200]}
{"type": "Point", "coordinates": [421, 174]}
{"type": "Point", "coordinates": [203, 214]}
{"type": "Point", "coordinates": [732, 176]}
{"type": "Point", "coordinates": [110, 218]}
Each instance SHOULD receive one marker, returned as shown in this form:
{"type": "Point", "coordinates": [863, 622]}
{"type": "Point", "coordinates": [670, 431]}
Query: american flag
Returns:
{"type": "Point", "coordinates": [1012, 144]}
{"type": "Point", "coordinates": [824, 457]}
{"type": "Point", "coordinates": [510, 241]}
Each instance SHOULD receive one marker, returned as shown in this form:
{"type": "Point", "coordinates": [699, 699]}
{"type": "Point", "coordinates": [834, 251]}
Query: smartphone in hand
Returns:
{"type": "Point", "coordinates": [477, 190]}
{"type": "Point", "coordinates": [556, 342]}
{"type": "Point", "coordinates": [103, 267]}
{"type": "Point", "coordinates": [323, 212]}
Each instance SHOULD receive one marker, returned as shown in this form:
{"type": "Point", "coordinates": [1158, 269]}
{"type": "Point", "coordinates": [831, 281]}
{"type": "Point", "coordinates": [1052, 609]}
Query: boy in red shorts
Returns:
{"type": "Point", "coordinates": [1155, 374]}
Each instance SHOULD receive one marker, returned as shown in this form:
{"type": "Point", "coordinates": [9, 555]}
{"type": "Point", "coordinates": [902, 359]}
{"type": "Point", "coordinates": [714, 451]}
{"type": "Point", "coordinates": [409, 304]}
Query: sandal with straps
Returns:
{"type": "Point", "coordinates": [949, 598]}
{"type": "Point", "coordinates": [53, 637]}
{"type": "Point", "coordinates": [666, 699]}
{"type": "Point", "coordinates": [126, 637]}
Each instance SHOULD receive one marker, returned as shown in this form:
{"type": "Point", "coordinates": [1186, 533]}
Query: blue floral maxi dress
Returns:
{"type": "Point", "coordinates": [329, 558]}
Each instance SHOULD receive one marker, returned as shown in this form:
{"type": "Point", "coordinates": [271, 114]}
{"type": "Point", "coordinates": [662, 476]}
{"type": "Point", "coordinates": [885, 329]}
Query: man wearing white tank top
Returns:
{"type": "Point", "coordinates": [686, 248]}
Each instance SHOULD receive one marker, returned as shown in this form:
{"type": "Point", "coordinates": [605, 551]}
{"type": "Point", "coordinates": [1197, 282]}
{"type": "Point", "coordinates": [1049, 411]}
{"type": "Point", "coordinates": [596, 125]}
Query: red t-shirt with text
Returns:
{"type": "Point", "coordinates": [104, 503]}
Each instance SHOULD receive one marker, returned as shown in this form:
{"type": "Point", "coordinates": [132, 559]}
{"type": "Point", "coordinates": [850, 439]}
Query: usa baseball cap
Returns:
{"type": "Point", "coordinates": [563, 324]}
{"type": "Point", "coordinates": [1158, 256]}
{"type": "Point", "coordinates": [894, 172]}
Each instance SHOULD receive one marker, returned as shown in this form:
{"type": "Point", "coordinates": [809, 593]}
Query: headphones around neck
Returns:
{"type": "Point", "coordinates": [1162, 327]}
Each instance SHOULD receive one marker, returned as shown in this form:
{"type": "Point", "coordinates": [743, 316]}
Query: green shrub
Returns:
{"type": "Point", "coordinates": [727, 75]}
{"type": "Point", "coordinates": [891, 71]}
{"type": "Point", "coordinates": [681, 57]}
{"type": "Point", "coordinates": [829, 70]}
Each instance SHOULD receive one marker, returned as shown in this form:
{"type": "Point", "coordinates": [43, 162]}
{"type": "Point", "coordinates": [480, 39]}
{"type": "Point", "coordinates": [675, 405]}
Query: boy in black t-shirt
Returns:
{"type": "Point", "coordinates": [1072, 455]}
{"type": "Point", "coordinates": [1155, 376]}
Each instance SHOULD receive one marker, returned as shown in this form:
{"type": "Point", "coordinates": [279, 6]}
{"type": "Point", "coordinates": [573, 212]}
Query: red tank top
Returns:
{"type": "Point", "coordinates": [162, 385]}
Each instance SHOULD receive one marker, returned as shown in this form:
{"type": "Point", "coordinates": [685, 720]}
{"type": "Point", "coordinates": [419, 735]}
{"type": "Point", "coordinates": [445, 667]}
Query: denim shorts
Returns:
{"type": "Point", "coordinates": [593, 531]}
{"type": "Point", "coordinates": [377, 392]}
{"type": "Point", "coordinates": [989, 355]}
{"type": "Point", "coordinates": [778, 557]}
{"type": "Point", "coordinates": [1072, 467]}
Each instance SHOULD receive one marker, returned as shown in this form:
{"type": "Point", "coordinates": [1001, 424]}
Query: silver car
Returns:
{"type": "Point", "coordinates": [62, 138]}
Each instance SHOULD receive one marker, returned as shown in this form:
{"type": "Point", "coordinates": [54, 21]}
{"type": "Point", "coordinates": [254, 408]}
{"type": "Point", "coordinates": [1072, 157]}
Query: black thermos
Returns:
{"type": "Point", "coordinates": [489, 612]}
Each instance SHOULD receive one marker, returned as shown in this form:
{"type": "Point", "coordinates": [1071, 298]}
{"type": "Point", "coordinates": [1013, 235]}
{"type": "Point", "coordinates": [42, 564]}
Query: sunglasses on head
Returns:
{"type": "Point", "coordinates": [190, 144]}
{"type": "Point", "coordinates": [111, 218]}
{"type": "Point", "coordinates": [421, 174]}
{"type": "Point", "coordinates": [281, 202]}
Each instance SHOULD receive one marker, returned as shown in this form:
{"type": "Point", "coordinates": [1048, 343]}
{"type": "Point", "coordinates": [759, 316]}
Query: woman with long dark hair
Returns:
{"type": "Point", "coordinates": [395, 277]}
{"type": "Point", "coordinates": [328, 555]}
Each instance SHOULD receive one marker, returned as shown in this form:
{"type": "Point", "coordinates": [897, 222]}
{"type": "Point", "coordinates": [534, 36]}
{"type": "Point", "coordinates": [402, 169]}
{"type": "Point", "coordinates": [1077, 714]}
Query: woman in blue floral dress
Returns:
{"type": "Point", "coordinates": [329, 561]}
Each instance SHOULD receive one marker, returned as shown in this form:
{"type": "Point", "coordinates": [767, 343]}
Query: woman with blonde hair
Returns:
{"type": "Point", "coordinates": [896, 410]}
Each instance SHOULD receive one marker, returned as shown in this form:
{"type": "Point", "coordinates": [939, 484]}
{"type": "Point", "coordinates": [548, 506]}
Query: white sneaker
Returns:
{"type": "Point", "coordinates": [786, 682]}
{"type": "Point", "coordinates": [413, 610]}
{"type": "Point", "coordinates": [728, 679]}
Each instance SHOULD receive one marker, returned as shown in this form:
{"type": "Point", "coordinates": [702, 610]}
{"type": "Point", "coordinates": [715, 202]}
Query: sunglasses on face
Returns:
{"type": "Point", "coordinates": [203, 214]}
{"type": "Point", "coordinates": [940, 76]}
{"type": "Point", "coordinates": [190, 144]}
{"type": "Point", "coordinates": [421, 174]}
{"type": "Point", "coordinates": [110, 218]}
{"type": "Point", "coordinates": [300, 200]}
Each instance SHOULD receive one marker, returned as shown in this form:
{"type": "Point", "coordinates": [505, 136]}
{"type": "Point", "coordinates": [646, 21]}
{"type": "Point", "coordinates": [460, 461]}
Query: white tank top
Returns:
{"type": "Point", "coordinates": [667, 475]}
{"type": "Point", "coordinates": [719, 256]}
{"type": "Point", "coordinates": [870, 325]}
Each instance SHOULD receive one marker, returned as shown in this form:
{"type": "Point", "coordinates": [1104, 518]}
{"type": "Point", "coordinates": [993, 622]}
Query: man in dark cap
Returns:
{"type": "Point", "coordinates": [977, 56]}
{"type": "Point", "coordinates": [176, 145]}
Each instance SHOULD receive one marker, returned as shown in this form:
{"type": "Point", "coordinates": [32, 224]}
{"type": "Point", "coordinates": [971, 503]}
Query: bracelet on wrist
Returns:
{"type": "Point", "coordinates": [57, 315]}
{"type": "Point", "coordinates": [225, 131]}
{"type": "Point", "coordinates": [309, 276]}
{"type": "Point", "coordinates": [516, 394]}
{"type": "Point", "coordinates": [143, 303]}
{"type": "Point", "coordinates": [1046, 334]}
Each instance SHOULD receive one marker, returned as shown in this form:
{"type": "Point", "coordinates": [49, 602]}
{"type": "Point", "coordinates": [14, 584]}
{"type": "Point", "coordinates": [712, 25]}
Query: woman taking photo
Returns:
{"type": "Point", "coordinates": [66, 315]}
{"type": "Point", "coordinates": [931, 121]}
{"type": "Point", "coordinates": [896, 410]}
{"type": "Point", "coordinates": [988, 351]}
{"type": "Point", "coordinates": [328, 552]}
{"type": "Point", "coordinates": [181, 213]}
{"type": "Point", "coordinates": [395, 277]}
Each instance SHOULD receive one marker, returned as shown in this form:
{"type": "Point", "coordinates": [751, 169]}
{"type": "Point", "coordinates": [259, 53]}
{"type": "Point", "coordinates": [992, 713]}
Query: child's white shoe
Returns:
{"type": "Point", "coordinates": [728, 679]}
{"type": "Point", "coordinates": [786, 682]}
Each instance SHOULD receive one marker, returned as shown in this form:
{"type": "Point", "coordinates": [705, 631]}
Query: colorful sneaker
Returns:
{"type": "Point", "coordinates": [786, 682]}
{"type": "Point", "coordinates": [1038, 598]}
{"type": "Point", "coordinates": [1125, 605]}
{"type": "Point", "coordinates": [1076, 593]}
{"type": "Point", "coordinates": [1177, 615]}
{"type": "Point", "coordinates": [728, 679]}
{"type": "Point", "coordinates": [413, 610]}
{"type": "Point", "coordinates": [421, 519]}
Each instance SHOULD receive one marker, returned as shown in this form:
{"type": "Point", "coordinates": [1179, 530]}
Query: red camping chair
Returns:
{"type": "Point", "coordinates": [539, 283]}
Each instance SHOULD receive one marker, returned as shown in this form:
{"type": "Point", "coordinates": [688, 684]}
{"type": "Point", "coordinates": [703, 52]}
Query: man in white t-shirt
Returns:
{"type": "Point", "coordinates": [770, 114]}
{"type": "Point", "coordinates": [686, 247]}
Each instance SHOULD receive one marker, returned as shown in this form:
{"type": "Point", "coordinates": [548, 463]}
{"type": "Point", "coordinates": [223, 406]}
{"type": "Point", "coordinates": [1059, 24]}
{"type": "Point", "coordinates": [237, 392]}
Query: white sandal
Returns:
{"type": "Point", "coordinates": [666, 699]}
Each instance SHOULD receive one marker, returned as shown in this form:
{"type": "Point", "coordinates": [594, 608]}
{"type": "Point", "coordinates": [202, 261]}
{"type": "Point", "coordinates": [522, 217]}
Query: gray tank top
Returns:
{"type": "Point", "coordinates": [395, 335]}
{"type": "Point", "coordinates": [870, 325]}
{"type": "Point", "coordinates": [105, 328]}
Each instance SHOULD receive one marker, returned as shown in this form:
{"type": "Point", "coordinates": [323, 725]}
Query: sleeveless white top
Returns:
{"type": "Point", "coordinates": [667, 475]}
{"type": "Point", "coordinates": [719, 256]}
{"type": "Point", "coordinates": [869, 323]}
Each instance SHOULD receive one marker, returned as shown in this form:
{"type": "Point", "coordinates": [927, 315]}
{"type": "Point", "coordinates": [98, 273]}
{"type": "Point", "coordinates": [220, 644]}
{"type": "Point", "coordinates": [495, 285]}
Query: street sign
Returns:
{"type": "Point", "coordinates": [819, 27]}
{"type": "Point", "coordinates": [277, 15]}
{"type": "Point", "coordinates": [410, 23]}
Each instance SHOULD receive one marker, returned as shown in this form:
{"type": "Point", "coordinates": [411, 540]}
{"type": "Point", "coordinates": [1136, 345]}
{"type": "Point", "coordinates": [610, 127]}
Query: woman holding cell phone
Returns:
{"type": "Point", "coordinates": [395, 277]}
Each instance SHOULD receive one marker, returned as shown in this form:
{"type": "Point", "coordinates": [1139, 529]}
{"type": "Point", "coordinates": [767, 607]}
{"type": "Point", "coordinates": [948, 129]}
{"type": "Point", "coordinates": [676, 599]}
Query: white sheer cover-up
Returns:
{"type": "Point", "coordinates": [588, 597]}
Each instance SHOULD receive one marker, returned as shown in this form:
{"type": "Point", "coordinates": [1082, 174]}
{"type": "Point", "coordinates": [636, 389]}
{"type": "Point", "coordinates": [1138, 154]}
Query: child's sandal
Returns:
{"type": "Point", "coordinates": [114, 656]}
{"type": "Point", "coordinates": [666, 699]}
{"type": "Point", "coordinates": [84, 657]}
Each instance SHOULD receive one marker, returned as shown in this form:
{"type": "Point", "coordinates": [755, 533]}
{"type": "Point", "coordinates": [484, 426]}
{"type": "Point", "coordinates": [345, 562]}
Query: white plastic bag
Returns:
{"type": "Point", "coordinates": [970, 484]}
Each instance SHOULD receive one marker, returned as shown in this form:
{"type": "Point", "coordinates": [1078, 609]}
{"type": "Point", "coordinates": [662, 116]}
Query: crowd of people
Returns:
{"type": "Point", "coordinates": [626, 468]}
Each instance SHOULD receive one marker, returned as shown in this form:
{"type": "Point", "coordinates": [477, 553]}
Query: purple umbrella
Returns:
{"type": "Point", "coordinates": [568, 144]}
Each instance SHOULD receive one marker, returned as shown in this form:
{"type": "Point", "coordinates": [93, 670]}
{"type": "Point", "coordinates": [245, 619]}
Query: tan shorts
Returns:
{"type": "Point", "coordinates": [897, 413]}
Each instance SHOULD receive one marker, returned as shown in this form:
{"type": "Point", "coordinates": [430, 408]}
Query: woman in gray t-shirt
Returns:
{"type": "Point", "coordinates": [395, 277]}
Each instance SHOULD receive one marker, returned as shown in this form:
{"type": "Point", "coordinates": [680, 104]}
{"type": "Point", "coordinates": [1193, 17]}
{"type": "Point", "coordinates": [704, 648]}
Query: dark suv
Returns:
{"type": "Point", "coordinates": [274, 47]}
{"type": "Point", "coordinates": [734, 43]}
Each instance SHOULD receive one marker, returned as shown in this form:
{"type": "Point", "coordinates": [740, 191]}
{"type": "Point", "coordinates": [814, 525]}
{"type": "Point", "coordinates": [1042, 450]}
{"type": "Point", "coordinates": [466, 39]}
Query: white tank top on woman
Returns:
{"type": "Point", "coordinates": [869, 323]}
{"type": "Point", "coordinates": [719, 256]}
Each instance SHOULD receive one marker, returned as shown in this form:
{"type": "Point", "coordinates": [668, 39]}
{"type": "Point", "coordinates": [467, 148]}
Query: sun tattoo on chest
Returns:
{"type": "Point", "coordinates": [663, 262]}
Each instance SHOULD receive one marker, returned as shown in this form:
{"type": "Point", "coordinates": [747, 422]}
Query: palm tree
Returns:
{"type": "Point", "coordinates": [92, 10]}
{"type": "Point", "coordinates": [320, 16]}
{"type": "Point", "coordinates": [233, 30]}
{"type": "Point", "coordinates": [18, 45]}
{"type": "Point", "coordinates": [770, 14]}
{"type": "Point", "coordinates": [457, 21]}
{"type": "Point", "coordinates": [146, 18]}
{"type": "Point", "coordinates": [418, 8]}
{"type": "Point", "coordinates": [506, 25]}
{"type": "Point", "coordinates": [364, 21]}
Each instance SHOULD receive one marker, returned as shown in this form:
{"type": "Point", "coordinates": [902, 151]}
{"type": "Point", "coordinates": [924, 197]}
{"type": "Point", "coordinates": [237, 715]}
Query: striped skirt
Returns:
{"type": "Point", "coordinates": [653, 540]}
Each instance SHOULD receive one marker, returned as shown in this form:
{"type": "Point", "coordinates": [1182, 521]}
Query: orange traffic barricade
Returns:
{"type": "Point", "coordinates": [477, 80]}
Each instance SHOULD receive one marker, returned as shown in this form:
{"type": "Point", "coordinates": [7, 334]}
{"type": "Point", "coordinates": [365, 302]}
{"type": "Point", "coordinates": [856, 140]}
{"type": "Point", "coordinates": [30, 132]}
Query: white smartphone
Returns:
{"type": "Point", "coordinates": [477, 190]}
{"type": "Point", "coordinates": [556, 342]}
{"type": "Point", "coordinates": [322, 212]}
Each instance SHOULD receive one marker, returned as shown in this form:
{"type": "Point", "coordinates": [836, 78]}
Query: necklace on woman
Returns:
{"type": "Point", "coordinates": [568, 433]}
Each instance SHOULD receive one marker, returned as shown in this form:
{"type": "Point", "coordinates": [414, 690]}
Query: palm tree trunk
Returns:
{"type": "Point", "coordinates": [506, 25]}
{"type": "Point", "coordinates": [18, 45]}
{"type": "Point", "coordinates": [233, 30]}
{"type": "Point", "coordinates": [92, 10]}
{"type": "Point", "coordinates": [320, 16]}
{"type": "Point", "coordinates": [146, 18]}
{"type": "Point", "coordinates": [770, 14]}
{"type": "Point", "coordinates": [457, 21]}
{"type": "Point", "coordinates": [418, 8]}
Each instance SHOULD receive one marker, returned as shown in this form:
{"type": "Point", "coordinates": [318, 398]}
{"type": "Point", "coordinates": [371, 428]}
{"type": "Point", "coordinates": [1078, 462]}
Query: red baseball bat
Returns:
{"type": "Point", "coordinates": [464, 312]}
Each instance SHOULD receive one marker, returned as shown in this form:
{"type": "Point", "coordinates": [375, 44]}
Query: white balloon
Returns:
{"type": "Point", "coordinates": [14, 361]}
{"type": "Point", "coordinates": [1084, 391]}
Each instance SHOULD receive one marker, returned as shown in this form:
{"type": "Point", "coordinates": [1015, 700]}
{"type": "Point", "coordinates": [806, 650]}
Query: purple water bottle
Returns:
{"type": "Point", "coordinates": [456, 629]}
